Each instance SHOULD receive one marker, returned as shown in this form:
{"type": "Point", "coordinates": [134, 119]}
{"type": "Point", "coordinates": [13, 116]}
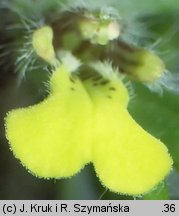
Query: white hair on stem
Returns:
{"type": "Point", "coordinates": [168, 81]}
{"type": "Point", "coordinates": [89, 5]}
{"type": "Point", "coordinates": [21, 48]}
{"type": "Point", "coordinates": [26, 59]}
{"type": "Point", "coordinates": [107, 71]}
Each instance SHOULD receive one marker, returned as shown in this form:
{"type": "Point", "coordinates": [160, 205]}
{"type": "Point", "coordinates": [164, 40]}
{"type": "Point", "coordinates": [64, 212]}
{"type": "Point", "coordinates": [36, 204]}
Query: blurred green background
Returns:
{"type": "Point", "coordinates": [158, 114]}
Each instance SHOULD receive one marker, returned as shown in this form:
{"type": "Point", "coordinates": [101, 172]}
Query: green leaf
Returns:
{"type": "Point", "coordinates": [159, 115]}
{"type": "Point", "coordinates": [159, 193]}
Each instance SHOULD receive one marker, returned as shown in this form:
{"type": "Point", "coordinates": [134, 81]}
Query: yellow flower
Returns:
{"type": "Point", "coordinates": [87, 121]}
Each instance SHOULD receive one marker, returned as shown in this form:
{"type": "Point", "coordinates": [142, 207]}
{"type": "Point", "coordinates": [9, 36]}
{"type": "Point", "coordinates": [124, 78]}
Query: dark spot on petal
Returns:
{"type": "Point", "coordinates": [104, 82]}
{"type": "Point", "coordinates": [112, 89]}
{"type": "Point", "coordinates": [72, 80]}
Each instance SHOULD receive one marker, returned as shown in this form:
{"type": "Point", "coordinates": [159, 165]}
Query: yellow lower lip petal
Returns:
{"type": "Point", "coordinates": [52, 139]}
{"type": "Point", "coordinates": [80, 123]}
{"type": "Point", "coordinates": [127, 159]}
